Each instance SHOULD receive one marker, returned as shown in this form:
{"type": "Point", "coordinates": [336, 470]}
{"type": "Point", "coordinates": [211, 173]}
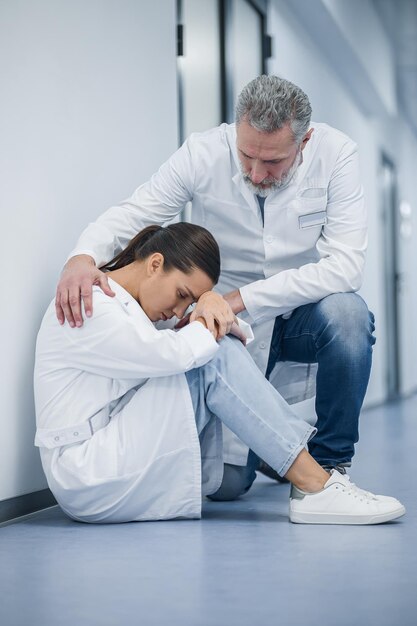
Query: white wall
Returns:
{"type": "Point", "coordinates": [302, 54]}
{"type": "Point", "coordinates": [88, 111]}
{"type": "Point", "coordinates": [200, 65]}
{"type": "Point", "coordinates": [364, 33]}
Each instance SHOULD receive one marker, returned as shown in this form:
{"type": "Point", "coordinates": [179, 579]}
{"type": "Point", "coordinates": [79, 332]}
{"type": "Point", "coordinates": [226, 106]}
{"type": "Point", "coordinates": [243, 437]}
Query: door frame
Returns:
{"type": "Point", "coordinates": [392, 276]}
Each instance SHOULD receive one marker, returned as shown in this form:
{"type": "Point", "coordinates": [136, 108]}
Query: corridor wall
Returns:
{"type": "Point", "coordinates": [88, 112]}
{"type": "Point", "coordinates": [317, 47]}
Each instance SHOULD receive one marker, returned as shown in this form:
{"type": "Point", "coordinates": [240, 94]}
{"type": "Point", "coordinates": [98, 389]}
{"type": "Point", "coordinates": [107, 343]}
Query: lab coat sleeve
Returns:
{"type": "Point", "coordinates": [116, 345]}
{"type": "Point", "coordinates": [157, 201]}
{"type": "Point", "coordinates": [341, 247]}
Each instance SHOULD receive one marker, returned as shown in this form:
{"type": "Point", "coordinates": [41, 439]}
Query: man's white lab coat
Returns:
{"type": "Point", "coordinates": [311, 245]}
{"type": "Point", "coordinates": [115, 421]}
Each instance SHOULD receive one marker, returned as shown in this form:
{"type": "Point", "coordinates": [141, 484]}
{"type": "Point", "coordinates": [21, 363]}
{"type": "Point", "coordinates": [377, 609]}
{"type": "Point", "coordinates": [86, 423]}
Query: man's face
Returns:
{"type": "Point", "coordinates": [268, 160]}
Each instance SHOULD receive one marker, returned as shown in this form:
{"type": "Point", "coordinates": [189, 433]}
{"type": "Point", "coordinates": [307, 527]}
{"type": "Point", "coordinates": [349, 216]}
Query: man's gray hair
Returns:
{"type": "Point", "coordinates": [268, 103]}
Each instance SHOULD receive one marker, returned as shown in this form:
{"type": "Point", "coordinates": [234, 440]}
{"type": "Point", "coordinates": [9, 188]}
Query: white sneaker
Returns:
{"type": "Point", "coordinates": [342, 502]}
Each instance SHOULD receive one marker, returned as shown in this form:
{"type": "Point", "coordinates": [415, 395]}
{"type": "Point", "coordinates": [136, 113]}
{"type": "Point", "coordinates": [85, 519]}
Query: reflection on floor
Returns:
{"type": "Point", "coordinates": [244, 563]}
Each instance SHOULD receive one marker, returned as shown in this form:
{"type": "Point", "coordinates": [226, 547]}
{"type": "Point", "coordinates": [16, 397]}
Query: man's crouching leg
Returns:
{"type": "Point", "coordinates": [237, 480]}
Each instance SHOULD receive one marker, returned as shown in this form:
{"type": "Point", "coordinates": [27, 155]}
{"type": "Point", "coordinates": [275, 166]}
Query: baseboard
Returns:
{"type": "Point", "coordinates": [23, 505]}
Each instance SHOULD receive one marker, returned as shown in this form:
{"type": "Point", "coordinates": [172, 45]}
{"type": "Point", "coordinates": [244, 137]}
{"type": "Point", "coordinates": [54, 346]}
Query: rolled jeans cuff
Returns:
{"type": "Point", "coordinates": [309, 434]}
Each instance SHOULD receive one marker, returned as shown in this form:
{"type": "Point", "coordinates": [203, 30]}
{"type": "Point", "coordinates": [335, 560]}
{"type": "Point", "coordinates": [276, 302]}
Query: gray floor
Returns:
{"type": "Point", "coordinates": [244, 563]}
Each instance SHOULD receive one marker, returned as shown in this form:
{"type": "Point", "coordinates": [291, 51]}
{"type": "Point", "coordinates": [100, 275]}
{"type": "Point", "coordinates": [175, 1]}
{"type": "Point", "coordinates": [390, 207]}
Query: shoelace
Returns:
{"type": "Point", "coordinates": [353, 489]}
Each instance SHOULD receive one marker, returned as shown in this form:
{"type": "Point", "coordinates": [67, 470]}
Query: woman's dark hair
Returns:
{"type": "Point", "coordinates": [184, 246]}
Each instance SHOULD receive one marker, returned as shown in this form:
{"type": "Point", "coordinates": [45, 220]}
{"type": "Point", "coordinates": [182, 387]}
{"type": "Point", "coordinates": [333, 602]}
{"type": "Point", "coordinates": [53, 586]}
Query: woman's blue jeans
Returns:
{"type": "Point", "coordinates": [231, 387]}
{"type": "Point", "coordinates": [337, 334]}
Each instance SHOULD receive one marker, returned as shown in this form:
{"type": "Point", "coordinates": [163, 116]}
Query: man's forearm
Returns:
{"type": "Point", "coordinates": [287, 290]}
{"type": "Point", "coordinates": [235, 301]}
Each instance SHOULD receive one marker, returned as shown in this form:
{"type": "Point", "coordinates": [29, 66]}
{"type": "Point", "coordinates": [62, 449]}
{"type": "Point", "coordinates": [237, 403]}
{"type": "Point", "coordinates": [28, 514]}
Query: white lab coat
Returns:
{"type": "Point", "coordinates": [115, 421]}
{"type": "Point", "coordinates": [311, 245]}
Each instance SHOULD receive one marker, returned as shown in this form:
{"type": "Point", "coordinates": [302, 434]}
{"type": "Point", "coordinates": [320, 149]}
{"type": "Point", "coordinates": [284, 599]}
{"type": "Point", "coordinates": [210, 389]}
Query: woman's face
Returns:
{"type": "Point", "coordinates": [165, 294]}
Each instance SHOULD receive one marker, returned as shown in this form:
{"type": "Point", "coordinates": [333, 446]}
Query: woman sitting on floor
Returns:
{"type": "Point", "coordinates": [129, 415]}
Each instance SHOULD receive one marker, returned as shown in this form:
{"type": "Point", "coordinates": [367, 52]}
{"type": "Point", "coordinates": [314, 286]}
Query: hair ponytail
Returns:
{"type": "Point", "coordinates": [184, 246]}
{"type": "Point", "coordinates": [128, 255]}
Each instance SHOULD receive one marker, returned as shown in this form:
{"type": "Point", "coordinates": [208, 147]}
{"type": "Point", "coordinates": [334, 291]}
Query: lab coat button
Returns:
{"type": "Point", "coordinates": [75, 434]}
{"type": "Point", "coordinates": [262, 345]}
{"type": "Point", "coordinates": [56, 438]}
{"type": "Point", "coordinates": [269, 239]}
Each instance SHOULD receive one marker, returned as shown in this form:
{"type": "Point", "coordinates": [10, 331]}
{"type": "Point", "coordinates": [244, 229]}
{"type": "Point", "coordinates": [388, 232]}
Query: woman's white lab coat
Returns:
{"type": "Point", "coordinates": [312, 242]}
{"type": "Point", "coordinates": [115, 422]}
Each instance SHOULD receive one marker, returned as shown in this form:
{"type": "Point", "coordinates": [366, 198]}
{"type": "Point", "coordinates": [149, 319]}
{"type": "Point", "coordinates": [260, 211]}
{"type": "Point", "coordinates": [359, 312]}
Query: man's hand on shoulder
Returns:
{"type": "Point", "coordinates": [77, 279]}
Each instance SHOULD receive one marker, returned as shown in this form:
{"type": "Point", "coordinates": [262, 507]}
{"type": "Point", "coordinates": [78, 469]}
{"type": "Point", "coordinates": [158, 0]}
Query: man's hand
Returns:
{"type": "Point", "coordinates": [216, 312]}
{"type": "Point", "coordinates": [77, 278]}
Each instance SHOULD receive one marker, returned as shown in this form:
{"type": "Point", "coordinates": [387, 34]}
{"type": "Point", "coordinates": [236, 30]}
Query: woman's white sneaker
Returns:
{"type": "Point", "coordinates": [342, 502]}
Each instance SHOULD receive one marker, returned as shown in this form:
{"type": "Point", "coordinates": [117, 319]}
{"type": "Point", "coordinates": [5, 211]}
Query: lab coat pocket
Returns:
{"type": "Point", "coordinates": [309, 220]}
{"type": "Point", "coordinates": [305, 220]}
{"type": "Point", "coordinates": [310, 212]}
{"type": "Point", "coordinates": [311, 207]}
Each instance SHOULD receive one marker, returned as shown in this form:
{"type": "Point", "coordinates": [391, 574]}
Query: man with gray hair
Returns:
{"type": "Point", "coordinates": [284, 200]}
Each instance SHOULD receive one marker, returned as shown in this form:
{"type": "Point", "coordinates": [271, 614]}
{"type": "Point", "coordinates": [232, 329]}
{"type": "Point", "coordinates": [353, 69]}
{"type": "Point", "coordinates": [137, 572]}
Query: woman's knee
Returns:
{"type": "Point", "coordinates": [230, 354]}
{"type": "Point", "coordinates": [230, 344]}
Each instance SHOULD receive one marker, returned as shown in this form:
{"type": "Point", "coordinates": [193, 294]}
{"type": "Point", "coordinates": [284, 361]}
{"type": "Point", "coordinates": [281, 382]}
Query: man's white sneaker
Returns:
{"type": "Point", "coordinates": [342, 502]}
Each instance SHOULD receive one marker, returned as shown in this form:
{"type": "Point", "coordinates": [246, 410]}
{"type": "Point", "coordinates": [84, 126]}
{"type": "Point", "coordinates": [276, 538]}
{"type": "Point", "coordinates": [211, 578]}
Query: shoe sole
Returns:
{"type": "Point", "coordinates": [324, 518]}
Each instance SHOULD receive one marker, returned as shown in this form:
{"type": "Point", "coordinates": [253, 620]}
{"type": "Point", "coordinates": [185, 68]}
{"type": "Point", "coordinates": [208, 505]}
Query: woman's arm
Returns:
{"type": "Point", "coordinates": [118, 345]}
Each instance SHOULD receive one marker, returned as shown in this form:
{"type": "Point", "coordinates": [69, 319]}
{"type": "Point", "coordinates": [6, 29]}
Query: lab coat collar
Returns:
{"type": "Point", "coordinates": [237, 177]}
{"type": "Point", "coordinates": [128, 302]}
{"type": "Point", "coordinates": [231, 140]}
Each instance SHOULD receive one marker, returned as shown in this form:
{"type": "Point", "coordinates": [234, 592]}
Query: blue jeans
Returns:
{"type": "Point", "coordinates": [231, 387]}
{"type": "Point", "coordinates": [336, 333]}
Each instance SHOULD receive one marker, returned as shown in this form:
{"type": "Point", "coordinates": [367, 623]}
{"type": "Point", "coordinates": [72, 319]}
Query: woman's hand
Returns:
{"type": "Point", "coordinates": [77, 279]}
{"type": "Point", "coordinates": [237, 332]}
{"type": "Point", "coordinates": [235, 329]}
{"type": "Point", "coordinates": [216, 312]}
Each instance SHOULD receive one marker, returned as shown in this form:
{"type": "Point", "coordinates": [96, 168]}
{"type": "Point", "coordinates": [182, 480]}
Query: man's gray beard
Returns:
{"type": "Point", "coordinates": [275, 185]}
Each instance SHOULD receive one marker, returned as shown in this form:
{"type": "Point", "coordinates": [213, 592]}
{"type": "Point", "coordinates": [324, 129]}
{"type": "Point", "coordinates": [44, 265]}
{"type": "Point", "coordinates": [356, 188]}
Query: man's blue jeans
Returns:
{"type": "Point", "coordinates": [337, 334]}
